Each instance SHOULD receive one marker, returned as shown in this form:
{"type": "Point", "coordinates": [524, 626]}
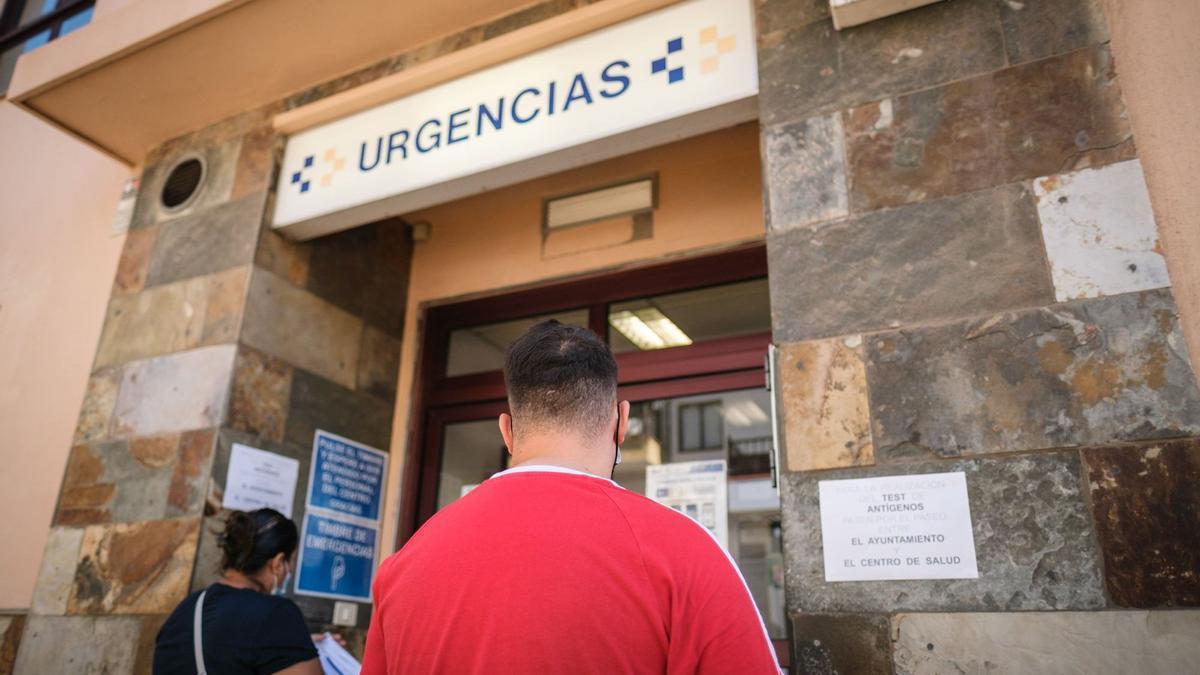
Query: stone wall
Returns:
{"type": "Point", "coordinates": [966, 276]}
{"type": "Point", "coordinates": [218, 331]}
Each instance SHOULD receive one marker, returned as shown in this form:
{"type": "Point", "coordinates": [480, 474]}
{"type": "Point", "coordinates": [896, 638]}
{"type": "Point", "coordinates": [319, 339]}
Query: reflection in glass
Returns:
{"type": "Point", "coordinates": [679, 319]}
{"type": "Point", "coordinates": [480, 349]}
{"type": "Point", "coordinates": [471, 453]}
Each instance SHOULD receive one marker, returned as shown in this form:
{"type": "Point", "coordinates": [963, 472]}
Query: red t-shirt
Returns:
{"type": "Point", "coordinates": [548, 570]}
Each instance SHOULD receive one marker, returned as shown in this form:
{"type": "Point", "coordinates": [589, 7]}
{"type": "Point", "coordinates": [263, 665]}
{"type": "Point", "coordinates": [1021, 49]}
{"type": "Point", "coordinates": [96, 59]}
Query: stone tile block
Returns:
{"type": "Point", "coordinates": [304, 330]}
{"type": "Point", "coordinates": [340, 267]}
{"type": "Point", "coordinates": [135, 260]}
{"type": "Point", "coordinates": [378, 363]}
{"type": "Point", "coordinates": [188, 390]}
{"type": "Point", "coordinates": [190, 477]}
{"type": "Point", "coordinates": [387, 288]}
{"type": "Point", "coordinates": [207, 241]}
{"type": "Point", "coordinates": [828, 644]}
{"type": "Point", "coordinates": [11, 629]}
{"type": "Point", "coordinates": [1099, 230]}
{"type": "Point", "coordinates": [1069, 643]}
{"type": "Point", "coordinates": [826, 416]}
{"type": "Point", "coordinates": [936, 260]}
{"type": "Point", "coordinates": [137, 479]}
{"type": "Point", "coordinates": [255, 164]}
{"type": "Point", "coordinates": [56, 575]}
{"type": "Point", "coordinates": [806, 172]}
{"type": "Point", "coordinates": [1082, 373]}
{"type": "Point", "coordinates": [80, 644]}
{"type": "Point", "coordinates": [99, 399]}
{"type": "Point", "coordinates": [225, 301]}
{"type": "Point", "coordinates": [134, 568]}
{"type": "Point", "coordinates": [261, 386]}
{"type": "Point", "coordinates": [220, 159]}
{"type": "Point", "coordinates": [317, 403]}
{"type": "Point", "coordinates": [156, 321]}
{"type": "Point", "coordinates": [284, 258]}
{"type": "Point", "coordinates": [1043, 118]}
{"type": "Point", "coordinates": [777, 15]}
{"type": "Point", "coordinates": [1036, 30]}
{"type": "Point", "coordinates": [814, 68]}
{"type": "Point", "coordinates": [1146, 503]}
{"type": "Point", "coordinates": [1033, 540]}
{"type": "Point", "coordinates": [208, 552]}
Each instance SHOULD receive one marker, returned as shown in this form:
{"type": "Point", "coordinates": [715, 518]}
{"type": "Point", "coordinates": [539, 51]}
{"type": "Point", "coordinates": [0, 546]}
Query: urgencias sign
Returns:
{"type": "Point", "coordinates": [683, 70]}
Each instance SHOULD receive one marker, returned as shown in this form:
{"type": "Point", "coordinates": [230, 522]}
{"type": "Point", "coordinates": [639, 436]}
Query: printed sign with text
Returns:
{"type": "Point", "coordinates": [897, 527]}
{"type": "Point", "coordinates": [346, 477]}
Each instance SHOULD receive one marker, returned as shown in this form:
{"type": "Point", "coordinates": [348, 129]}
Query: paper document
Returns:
{"type": "Point", "coordinates": [335, 660]}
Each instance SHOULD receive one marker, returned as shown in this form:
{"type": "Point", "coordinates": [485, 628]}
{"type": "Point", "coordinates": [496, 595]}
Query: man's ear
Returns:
{"type": "Point", "coordinates": [506, 431]}
{"type": "Point", "coordinates": [622, 421]}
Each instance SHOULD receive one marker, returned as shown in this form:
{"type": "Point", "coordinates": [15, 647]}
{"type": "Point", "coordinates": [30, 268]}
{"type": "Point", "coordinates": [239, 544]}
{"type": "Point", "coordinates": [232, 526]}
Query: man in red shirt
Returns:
{"type": "Point", "coordinates": [550, 566]}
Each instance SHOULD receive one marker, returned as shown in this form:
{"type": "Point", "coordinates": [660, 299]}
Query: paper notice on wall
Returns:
{"type": "Point", "coordinates": [698, 490]}
{"type": "Point", "coordinates": [897, 527]}
{"type": "Point", "coordinates": [260, 479]}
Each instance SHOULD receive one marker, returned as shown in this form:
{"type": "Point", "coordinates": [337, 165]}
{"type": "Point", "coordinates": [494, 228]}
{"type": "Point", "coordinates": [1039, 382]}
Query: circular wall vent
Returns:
{"type": "Point", "coordinates": [183, 183]}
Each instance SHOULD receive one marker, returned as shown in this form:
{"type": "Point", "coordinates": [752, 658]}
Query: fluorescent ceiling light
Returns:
{"type": "Point", "coordinates": [594, 205]}
{"type": "Point", "coordinates": [648, 328]}
{"type": "Point", "coordinates": [745, 413]}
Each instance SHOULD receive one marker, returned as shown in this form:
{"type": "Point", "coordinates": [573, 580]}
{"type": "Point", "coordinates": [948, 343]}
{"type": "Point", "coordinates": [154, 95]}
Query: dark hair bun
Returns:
{"type": "Point", "coordinates": [252, 538]}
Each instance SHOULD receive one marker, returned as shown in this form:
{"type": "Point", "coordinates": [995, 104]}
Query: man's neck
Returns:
{"type": "Point", "coordinates": [563, 451]}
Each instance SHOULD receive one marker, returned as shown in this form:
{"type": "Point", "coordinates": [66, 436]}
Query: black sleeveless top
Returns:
{"type": "Point", "coordinates": [244, 632]}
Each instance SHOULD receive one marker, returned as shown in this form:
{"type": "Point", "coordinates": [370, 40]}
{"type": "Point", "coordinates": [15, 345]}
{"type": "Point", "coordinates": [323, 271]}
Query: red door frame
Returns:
{"type": "Point", "coordinates": [433, 390]}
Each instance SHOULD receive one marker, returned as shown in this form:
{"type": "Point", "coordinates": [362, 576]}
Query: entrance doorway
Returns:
{"type": "Point", "coordinates": [689, 337]}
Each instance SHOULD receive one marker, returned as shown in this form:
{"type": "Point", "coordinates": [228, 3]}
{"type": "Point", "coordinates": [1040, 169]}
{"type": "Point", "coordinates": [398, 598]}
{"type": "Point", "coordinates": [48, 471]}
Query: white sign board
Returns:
{"type": "Point", "coordinates": [696, 489]}
{"type": "Point", "coordinates": [897, 527]}
{"type": "Point", "coordinates": [259, 479]}
{"type": "Point", "coordinates": [527, 117]}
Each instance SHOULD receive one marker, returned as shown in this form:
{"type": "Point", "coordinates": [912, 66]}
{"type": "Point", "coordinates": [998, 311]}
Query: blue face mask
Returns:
{"type": "Point", "coordinates": [282, 588]}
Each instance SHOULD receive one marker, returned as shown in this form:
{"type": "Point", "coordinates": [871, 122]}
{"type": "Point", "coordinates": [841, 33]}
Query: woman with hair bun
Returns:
{"type": "Point", "coordinates": [241, 623]}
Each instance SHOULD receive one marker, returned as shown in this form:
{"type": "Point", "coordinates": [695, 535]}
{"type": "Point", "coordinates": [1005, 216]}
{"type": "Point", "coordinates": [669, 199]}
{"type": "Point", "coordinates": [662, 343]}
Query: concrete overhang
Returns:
{"type": "Point", "coordinates": [152, 70]}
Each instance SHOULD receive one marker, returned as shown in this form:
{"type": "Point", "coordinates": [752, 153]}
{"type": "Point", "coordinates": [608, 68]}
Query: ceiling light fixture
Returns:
{"type": "Point", "coordinates": [638, 196]}
{"type": "Point", "coordinates": [648, 328]}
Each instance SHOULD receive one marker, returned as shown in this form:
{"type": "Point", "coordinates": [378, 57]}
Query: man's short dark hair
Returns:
{"type": "Point", "coordinates": [560, 377]}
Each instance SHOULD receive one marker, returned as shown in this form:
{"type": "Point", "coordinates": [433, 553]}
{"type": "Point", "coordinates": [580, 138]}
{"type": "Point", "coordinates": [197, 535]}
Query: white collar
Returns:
{"type": "Point", "coordinates": [549, 468]}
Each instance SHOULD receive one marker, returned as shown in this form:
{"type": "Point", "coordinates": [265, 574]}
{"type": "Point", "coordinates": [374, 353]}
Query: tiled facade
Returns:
{"type": "Point", "coordinates": [965, 276]}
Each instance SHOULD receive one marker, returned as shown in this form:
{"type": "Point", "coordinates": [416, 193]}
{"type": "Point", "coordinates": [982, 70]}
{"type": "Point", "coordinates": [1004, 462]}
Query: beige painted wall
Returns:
{"type": "Point", "coordinates": [710, 197]}
{"type": "Point", "coordinates": [1157, 53]}
{"type": "Point", "coordinates": [57, 260]}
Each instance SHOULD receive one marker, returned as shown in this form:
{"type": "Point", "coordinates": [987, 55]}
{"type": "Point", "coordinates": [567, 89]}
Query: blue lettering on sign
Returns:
{"type": "Point", "coordinates": [337, 559]}
{"type": "Point", "coordinates": [523, 107]}
{"type": "Point", "coordinates": [347, 477]}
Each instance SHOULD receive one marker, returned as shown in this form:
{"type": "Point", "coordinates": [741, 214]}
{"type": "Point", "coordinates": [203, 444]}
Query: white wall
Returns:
{"type": "Point", "coordinates": [57, 260]}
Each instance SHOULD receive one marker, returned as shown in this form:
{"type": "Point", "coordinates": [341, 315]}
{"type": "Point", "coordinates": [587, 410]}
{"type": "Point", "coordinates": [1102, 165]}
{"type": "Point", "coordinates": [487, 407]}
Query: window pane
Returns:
{"type": "Point", "coordinates": [679, 319]}
{"type": "Point", "coordinates": [689, 427]}
{"type": "Point", "coordinates": [481, 348]}
{"type": "Point", "coordinates": [658, 434]}
{"type": "Point", "coordinates": [471, 452]}
{"type": "Point", "coordinates": [36, 41]}
{"type": "Point", "coordinates": [78, 21]}
{"type": "Point", "coordinates": [712, 426]}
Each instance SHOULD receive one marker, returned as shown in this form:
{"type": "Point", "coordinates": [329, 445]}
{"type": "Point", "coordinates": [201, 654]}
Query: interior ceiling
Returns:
{"type": "Point", "coordinates": [242, 59]}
